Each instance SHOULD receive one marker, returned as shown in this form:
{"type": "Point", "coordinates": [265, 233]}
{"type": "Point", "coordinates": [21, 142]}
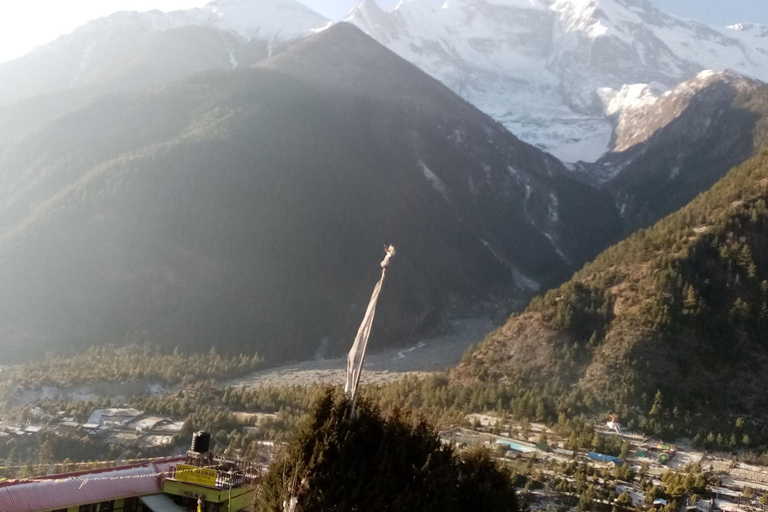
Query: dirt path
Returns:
{"type": "Point", "coordinates": [433, 355]}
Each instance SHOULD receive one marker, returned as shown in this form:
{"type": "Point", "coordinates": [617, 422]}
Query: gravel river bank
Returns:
{"type": "Point", "coordinates": [432, 355]}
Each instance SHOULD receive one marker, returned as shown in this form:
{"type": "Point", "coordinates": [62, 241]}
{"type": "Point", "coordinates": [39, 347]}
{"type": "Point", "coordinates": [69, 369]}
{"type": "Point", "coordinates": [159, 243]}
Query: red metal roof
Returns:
{"type": "Point", "coordinates": [66, 490]}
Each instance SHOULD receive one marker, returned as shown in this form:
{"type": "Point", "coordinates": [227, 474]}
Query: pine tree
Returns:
{"type": "Point", "coordinates": [691, 304]}
{"type": "Point", "coordinates": [45, 453]}
{"type": "Point", "coordinates": [380, 463]}
{"type": "Point", "coordinates": [739, 311]}
{"type": "Point", "coordinates": [657, 405]}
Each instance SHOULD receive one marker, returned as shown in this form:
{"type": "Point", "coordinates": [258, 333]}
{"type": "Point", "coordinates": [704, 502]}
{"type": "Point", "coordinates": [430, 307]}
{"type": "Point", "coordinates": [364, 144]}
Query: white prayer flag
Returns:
{"type": "Point", "coordinates": [356, 356]}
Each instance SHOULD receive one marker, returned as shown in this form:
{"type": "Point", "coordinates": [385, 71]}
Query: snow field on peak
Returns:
{"type": "Point", "coordinates": [271, 20]}
{"type": "Point", "coordinates": [557, 73]}
{"type": "Point", "coordinates": [630, 97]}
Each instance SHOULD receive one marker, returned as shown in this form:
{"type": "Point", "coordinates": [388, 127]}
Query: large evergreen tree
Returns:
{"type": "Point", "coordinates": [380, 463]}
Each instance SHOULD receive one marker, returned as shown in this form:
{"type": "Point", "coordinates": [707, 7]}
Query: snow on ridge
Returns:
{"type": "Point", "coordinates": [551, 216]}
{"type": "Point", "coordinates": [529, 63]}
{"type": "Point", "coordinates": [433, 180]}
{"type": "Point", "coordinates": [272, 20]}
{"type": "Point", "coordinates": [275, 20]}
{"type": "Point", "coordinates": [523, 281]}
{"type": "Point", "coordinates": [753, 29]}
{"type": "Point", "coordinates": [517, 4]}
{"type": "Point", "coordinates": [631, 96]}
{"type": "Point", "coordinates": [553, 213]}
{"type": "Point", "coordinates": [324, 27]}
{"type": "Point", "coordinates": [642, 109]}
{"type": "Point", "coordinates": [556, 247]}
{"type": "Point", "coordinates": [526, 63]}
{"type": "Point", "coordinates": [725, 74]}
{"type": "Point", "coordinates": [703, 75]}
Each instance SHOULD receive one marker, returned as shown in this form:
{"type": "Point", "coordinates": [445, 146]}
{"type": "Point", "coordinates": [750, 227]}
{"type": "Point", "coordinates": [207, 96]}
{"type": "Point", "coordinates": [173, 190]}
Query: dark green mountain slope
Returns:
{"type": "Point", "coordinates": [680, 308]}
{"type": "Point", "coordinates": [248, 209]}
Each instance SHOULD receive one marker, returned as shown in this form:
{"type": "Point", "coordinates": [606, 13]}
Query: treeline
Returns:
{"type": "Point", "coordinates": [569, 412]}
{"type": "Point", "coordinates": [724, 223]}
{"type": "Point", "coordinates": [278, 411]}
{"type": "Point", "coordinates": [444, 402]}
{"type": "Point", "coordinates": [593, 488]}
{"type": "Point", "coordinates": [679, 310]}
{"type": "Point", "coordinates": [434, 398]}
{"type": "Point", "coordinates": [131, 362]}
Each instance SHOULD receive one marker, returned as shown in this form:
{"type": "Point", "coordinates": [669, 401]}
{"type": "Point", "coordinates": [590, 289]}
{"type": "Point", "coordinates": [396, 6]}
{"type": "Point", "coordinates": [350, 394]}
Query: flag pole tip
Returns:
{"type": "Point", "coordinates": [390, 250]}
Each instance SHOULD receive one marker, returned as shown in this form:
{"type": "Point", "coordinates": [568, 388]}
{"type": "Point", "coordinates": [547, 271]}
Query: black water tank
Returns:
{"type": "Point", "coordinates": [201, 442]}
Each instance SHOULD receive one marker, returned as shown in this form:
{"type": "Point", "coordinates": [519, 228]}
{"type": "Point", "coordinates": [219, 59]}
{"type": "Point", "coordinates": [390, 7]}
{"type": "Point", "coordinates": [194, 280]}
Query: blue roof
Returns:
{"type": "Point", "coordinates": [600, 457]}
{"type": "Point", "coordinates": [516, 446]}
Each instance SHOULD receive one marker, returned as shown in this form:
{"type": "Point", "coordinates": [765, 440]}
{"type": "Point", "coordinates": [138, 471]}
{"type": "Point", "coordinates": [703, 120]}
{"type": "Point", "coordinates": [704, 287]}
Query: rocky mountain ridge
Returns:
{"type": "Point", "coordinates": [670, 150]}
{"type": "Point", "coordinates": [130, 50]}
{"type": "Point", "coordinates": [551, 70]}
{"type": "Point", "coordinates": [557, 73]}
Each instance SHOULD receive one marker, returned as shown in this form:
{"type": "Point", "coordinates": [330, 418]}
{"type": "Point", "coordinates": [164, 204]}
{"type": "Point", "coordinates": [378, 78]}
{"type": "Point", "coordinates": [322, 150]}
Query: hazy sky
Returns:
{"type": "Point", "coordinates": [26, 23]}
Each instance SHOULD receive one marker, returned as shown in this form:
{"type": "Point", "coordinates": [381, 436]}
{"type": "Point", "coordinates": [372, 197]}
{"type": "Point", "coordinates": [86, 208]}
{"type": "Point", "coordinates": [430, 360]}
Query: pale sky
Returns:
{"type": "Point", "coordinates": [25, 24]}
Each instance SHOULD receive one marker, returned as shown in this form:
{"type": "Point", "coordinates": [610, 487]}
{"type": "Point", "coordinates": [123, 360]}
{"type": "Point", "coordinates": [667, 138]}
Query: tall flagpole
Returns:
{"type": "Point", "coordinates": [356, 356]}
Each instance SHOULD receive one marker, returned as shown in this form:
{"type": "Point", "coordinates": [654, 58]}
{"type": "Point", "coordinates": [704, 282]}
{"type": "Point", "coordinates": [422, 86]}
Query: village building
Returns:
{"type": "Point", "coordinates": [169, 485]}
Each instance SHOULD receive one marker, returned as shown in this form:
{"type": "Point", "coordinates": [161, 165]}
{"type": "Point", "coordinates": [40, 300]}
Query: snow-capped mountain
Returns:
{"type": "Point", "coordinates": [555, 72]}
{"type": "Point", "coordinates": [670, 150]}
{"type": "Point", "coordinates": [276, 21]}
{"type": "Point", "coordinates": [130, 50]}
{"type": "Point", "coordinates": [269, 20]}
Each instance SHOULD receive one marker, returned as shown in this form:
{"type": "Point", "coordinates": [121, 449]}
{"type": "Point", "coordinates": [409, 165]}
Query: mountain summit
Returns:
{"type": "Point", "coordinates": [133, 50]}
{"type": "Point", "coordinates": [547, 68]}
{"type": "Point", "coordinates": [670, 150]}
{"type": "Point", "coordinates": [554, 72]}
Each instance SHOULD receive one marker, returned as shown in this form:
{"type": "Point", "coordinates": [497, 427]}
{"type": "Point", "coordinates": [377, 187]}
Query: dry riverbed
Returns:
{"type": "Point", "coordinates": [432, 355]}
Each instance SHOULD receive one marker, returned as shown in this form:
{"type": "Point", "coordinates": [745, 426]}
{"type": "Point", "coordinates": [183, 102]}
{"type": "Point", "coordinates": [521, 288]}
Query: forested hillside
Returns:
{"type": "Point", "coordinates": [667, 328]}
{"type": "Point", "coordinates": [248, 210]}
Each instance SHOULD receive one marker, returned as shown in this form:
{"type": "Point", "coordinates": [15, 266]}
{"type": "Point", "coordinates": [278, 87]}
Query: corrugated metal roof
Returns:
{"type": "Point", "coordinates": [61, 491]}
